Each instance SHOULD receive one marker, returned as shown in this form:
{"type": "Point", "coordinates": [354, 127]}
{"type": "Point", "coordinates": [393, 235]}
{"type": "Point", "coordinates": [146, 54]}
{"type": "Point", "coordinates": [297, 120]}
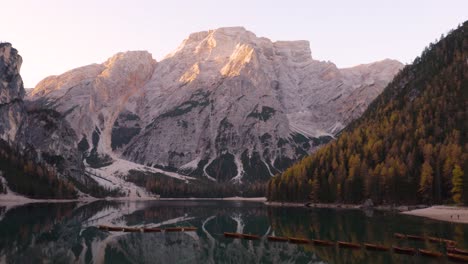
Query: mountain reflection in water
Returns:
{"type": "Point", "coordinates": [67, 233]}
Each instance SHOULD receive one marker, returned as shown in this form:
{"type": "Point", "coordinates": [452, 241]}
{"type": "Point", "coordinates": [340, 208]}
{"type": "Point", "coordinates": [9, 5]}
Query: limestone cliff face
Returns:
{"type": "Point", "coordinates": [40, 131]}
{"type": "Point", "coordinates": [92, 97]}
{"type": "Point", "coordinates": [226, 104]}
{"type": "Point", "coordinates": [11, 92]}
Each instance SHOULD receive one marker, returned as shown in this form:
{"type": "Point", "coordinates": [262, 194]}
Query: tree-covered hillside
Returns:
{"type": "Point", "coordinates": [408, 147]}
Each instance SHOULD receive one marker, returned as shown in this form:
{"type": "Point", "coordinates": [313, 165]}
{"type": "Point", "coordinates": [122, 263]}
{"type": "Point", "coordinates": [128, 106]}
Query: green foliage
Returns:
{"type": "Point", "coordinates": [404, 147]}
{"type": "Point", "coordinates": [457, 183]}
{"type": "Point", "coordinates": [166, 186]}
{"type": "Point", "coordinates": [223, 167]}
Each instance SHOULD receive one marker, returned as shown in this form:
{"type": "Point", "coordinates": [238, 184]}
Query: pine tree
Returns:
{"type": "Point", "coordinates": [457, 183]}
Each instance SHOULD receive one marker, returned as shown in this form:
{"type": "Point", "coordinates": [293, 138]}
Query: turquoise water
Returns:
{"type": "Point", "coordinates": [67, 233]}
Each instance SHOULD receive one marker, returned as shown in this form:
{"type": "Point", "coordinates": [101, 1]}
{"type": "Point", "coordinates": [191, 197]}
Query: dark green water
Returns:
{"type": "Point", "coordinates": [66, 233]}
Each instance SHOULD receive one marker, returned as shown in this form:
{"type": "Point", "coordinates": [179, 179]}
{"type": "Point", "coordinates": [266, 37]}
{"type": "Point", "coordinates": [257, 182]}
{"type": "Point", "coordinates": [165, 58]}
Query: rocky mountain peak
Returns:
{"type": "Point", "coordinates": [226, 105]}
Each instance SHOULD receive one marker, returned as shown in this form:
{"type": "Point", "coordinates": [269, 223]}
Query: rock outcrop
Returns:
{"type": "Point", "coordinates": [11, 92]}
{"type": "Point", "coordinates": [42, 134]}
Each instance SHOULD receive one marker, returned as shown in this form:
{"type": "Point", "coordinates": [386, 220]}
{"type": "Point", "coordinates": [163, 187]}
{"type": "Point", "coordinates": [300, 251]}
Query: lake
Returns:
{"type": "Point", "coordinates": [67, 233]}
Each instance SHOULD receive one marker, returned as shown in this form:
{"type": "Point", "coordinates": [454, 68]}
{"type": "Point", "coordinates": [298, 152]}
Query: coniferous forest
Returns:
{"type": "Point", "coordinates": [31, 178]}
{"type": "Point", "coordinates": [408, 147]}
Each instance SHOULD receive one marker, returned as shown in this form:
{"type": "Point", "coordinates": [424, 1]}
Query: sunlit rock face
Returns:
{"type": "Point", "coordinates": [226, 104]}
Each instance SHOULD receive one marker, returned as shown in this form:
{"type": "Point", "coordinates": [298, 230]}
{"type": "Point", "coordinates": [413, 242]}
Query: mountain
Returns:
{"type": "Point", "coordinates": [410, 145]}
{"type": "Point", "coordinates": [226, 105]}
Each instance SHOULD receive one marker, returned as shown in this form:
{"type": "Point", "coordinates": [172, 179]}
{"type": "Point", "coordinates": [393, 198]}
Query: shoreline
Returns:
{"type": "Point", "coordinates": [16, 200]}
{"type": "Point", "coordinates": [446, 213]}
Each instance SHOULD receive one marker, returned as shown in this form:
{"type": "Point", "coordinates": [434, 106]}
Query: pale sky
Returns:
{"type": "Point", "coordinates": [54, 36]}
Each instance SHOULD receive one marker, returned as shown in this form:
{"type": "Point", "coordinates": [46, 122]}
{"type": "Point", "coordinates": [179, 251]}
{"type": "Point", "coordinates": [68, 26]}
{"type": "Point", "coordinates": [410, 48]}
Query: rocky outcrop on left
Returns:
{"type": "Point", "coordinates": [36, 133]}
{"type": "Point", "coordinates": [11, 92]}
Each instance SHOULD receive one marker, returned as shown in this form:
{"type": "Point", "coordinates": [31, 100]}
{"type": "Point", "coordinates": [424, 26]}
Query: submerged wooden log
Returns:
{"type": "Point", "coordinates": [457, 251]}
{"type": "Point", "coordinates": [174, 229]}
{"type": "Point", "coordinates": [250, 237]}
{"type": "Point", "coordinates": [457, 258]}
{"type": "Point", "coordinates": [428, 253]}
{"type": "Point", "coordinates": [375, 247]}
{"type": "Point", "coordinates": [404, 250]}
{"type": "Point", "coordinates": [152, 229]}
{"type": "Point", "coordinates": [319, 242]}
{"type": "Point", "coordinates": [349, 245]}
{"type": "Point", "coordinates": [400, 236]}
{"type": "Point", "coordinates": [232, 235]}
{"type": "Point", "coordinates": [130, 229]}
{"type": "Point", "coordinates": [295, 240]}
{"type": "Point", "coordinates": [415, 237]}
{"type": "Point", "coordinates": [277, 239]}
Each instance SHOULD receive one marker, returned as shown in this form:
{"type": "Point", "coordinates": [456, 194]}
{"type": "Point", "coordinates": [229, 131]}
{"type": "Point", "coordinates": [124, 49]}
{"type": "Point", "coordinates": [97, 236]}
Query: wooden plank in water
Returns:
{"type": "Point", "coordinates": [232, 235]}
{"type": "Point", "coordinates": [428, 253]}
{"type": "Point", "coordinates": [319, 242]}
{"type": "Point", "coordinates": [277, 239]}
{"type": "Point", "coordinates": [152, 229]}
{"type": "Point", "coordinates": [375, 247]}
{"type": "Point", "coordinates": [404, 250]}
{"type": "Point", "coordinates": [130, 229]}
{"type": "Point", "coordinates": [457, 258]}
{"type": "Point", "coordinates": [415, 237]}
{"type": "Point", "coordinates": [173, 229]}
{"type": "Point", "coordinates": [349, 245]}
{"type": "Point", "coordinates": [250, 237]}
{"type": "Point", "coordinates": [457, 251]}
{"type": "Point", "coordinates": [295, 240]}
{"type": "Point", "coordinates": [399, 235]}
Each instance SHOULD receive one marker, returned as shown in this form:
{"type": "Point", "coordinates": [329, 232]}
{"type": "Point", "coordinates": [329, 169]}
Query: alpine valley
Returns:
{"type": "Point", "coordinates": [226, 108]}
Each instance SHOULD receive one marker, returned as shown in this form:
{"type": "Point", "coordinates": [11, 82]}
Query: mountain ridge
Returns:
{"type": "Point", "coordinates": [409, 146]}
{"type": "Point", "coordinates": [242, 86]}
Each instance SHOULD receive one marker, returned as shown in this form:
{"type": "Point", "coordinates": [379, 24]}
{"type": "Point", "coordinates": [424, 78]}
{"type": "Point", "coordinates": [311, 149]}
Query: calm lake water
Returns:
{"type": "Point", "coordinates": [67, 233]}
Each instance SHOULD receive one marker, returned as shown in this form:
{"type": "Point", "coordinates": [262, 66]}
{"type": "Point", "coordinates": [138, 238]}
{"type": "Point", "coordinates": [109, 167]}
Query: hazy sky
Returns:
{"type": "Point", "coordinates": [54, 36]}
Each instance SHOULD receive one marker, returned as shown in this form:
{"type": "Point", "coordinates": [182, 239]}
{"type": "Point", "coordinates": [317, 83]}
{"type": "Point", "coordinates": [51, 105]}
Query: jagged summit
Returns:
{"type": "Point", "coordinates": [226, 104]}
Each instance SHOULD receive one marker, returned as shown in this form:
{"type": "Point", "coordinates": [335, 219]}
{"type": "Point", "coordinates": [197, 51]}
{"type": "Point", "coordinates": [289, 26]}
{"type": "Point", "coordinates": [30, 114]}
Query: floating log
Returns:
{"type": "Point", "coordinates": [400, 236]}
{"type": "Point", "coordinates": [277, 239]}
{"type": "Point", "coordinates": [190, 228]}
{"type": "Point", "coordinates": [457, 251]}
{"type": "Point", "coordinates": [174, 229]}
{"type": "Point", "coordinates": [349, 245]}
{"type": "Point", "coordinates": [375, 247]}
{"type": "Point", "coordinates": [434, 239]}
{"type": "Point", "coordinates": [130, 229]}
{"type": "Point", "coordinates": [295, 240]}
{"type": "Point", "coordinates": [414, 237]}
{"type": "Point", "coordinates": [232, 235]}
{"type": "Point", "coordinates": [404, 250]}
{"type": "Point", "coordinates": [449, 242]}
{"type": "Point", "coordinates": [250, 237]}
{"type": "Point", "coordinates": [428, 253]}
{"type": "Point", "coordinates": [152, 230]}
{"type": "Point", "coordinates": [319, 242]}
{"type": "Point", "coordinates": [457, 258]}
{"type": "Point", "coordinates": [110, 228]}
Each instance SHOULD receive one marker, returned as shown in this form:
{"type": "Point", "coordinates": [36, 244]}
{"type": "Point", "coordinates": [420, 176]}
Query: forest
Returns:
{"type": "Point", "coordinates": [28, 177]}
{"type": "Point", "coordinates": [408, 147]}
{"type": "Point", "coordinates": [166, 186]}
